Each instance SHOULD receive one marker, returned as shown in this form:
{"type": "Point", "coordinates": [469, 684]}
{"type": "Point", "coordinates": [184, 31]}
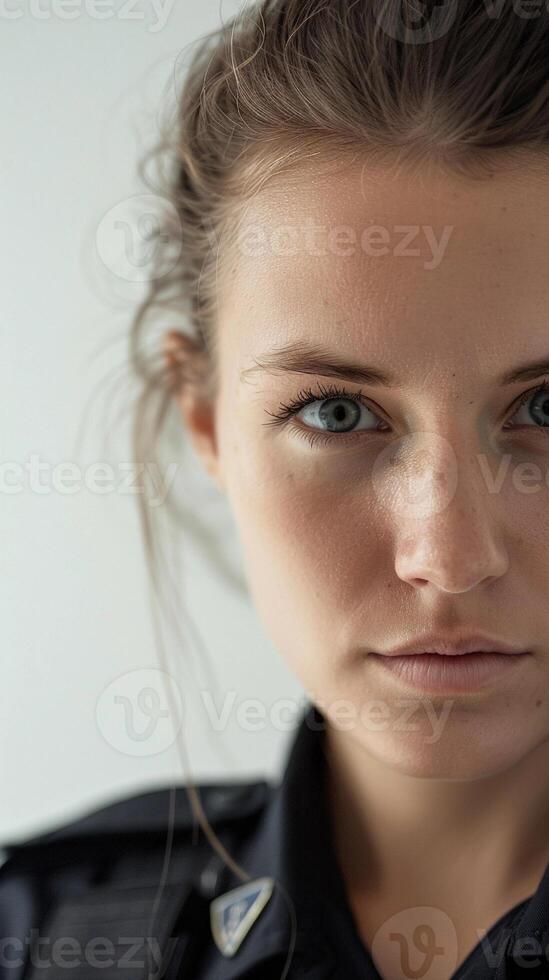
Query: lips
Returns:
{"type": "Point", "coordinates": [459, 674]}
{"type": "Point", "coordinates": [454, 645]}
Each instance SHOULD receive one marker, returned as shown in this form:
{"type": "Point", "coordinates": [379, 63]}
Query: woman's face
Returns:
{"type": "Point", "coordinates": [424, 508]}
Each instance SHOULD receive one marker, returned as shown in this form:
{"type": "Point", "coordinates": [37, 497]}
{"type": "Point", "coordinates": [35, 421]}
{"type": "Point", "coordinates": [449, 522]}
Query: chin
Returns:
{"type": "Point", "coordinates": [459, 754]}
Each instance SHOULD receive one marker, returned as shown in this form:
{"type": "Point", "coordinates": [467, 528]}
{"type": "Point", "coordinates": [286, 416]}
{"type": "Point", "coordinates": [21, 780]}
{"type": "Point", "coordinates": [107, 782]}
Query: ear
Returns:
{"type": "Point", "coordinates": [189, 368]}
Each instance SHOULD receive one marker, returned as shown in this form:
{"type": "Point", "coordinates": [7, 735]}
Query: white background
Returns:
{"type": "Point", "coordinates": [79, 105]}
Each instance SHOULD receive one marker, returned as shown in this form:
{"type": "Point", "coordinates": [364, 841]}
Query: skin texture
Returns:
{"type": "Point", "coordinates": [361, 543]}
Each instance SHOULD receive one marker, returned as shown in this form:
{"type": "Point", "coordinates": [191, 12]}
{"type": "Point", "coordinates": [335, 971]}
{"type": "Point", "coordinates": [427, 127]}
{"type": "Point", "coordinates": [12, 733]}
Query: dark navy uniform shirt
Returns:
{"type": "Point", "coordinates": [102, 876]}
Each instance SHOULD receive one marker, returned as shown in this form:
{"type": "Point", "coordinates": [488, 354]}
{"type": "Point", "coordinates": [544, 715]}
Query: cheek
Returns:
{"type": "Point", "coordinates": [311, 547]}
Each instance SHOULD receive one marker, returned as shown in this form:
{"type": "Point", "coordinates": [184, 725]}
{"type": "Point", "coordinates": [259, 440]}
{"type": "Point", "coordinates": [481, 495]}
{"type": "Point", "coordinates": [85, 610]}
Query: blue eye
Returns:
{"type": "Point", "coordinates": [329, 414]}
{"type": "Point", "coordinates": [537, 414]}
{"type": "Point", "coordinates": [337, 415]}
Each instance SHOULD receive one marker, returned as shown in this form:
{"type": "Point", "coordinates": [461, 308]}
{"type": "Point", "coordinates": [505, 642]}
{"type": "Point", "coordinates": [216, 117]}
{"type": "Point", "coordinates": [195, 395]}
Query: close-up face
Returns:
{"type": "Point", "coordinates": [413, 497]}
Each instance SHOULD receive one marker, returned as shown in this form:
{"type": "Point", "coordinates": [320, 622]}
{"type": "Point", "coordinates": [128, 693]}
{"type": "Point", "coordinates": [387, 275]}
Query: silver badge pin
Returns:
{"type": "Point", "coordinates": [233, 914]}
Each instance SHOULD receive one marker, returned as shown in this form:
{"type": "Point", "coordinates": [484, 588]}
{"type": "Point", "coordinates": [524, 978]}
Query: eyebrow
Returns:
{"type": "Point", "coordinates": [526, 373]}
{"type": "Point", "coordinates": [303, 358]}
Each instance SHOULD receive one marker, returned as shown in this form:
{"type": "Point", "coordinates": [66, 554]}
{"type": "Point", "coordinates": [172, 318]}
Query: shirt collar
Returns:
{"type": "Point", "coordinates": [530, 929]}
{"type": "Point", "coordinates": [308, 915]}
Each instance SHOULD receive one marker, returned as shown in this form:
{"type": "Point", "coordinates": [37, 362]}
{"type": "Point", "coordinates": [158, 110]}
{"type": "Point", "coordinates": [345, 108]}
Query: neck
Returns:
{"type": "Point", "coordinates": [425, 839]}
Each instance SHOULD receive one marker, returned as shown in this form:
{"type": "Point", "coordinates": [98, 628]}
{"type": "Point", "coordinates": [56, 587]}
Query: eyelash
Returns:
{"type": "Point", "coordinates": [323, 392]}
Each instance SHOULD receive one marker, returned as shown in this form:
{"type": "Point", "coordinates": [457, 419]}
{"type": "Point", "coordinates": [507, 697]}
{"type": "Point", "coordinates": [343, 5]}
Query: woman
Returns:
{"type": "Point", "coordinates": [363, 192]}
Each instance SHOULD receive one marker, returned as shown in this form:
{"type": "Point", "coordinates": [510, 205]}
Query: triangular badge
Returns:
{"type": "Point", "coordinates": [233, 914]}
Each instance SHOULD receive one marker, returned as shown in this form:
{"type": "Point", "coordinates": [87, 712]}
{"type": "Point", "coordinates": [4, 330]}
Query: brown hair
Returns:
{"type": "Point", "coordinates": [462, 83]}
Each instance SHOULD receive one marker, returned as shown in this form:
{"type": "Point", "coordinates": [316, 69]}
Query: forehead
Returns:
{"type": "Point", "coordinates": [392, 260]}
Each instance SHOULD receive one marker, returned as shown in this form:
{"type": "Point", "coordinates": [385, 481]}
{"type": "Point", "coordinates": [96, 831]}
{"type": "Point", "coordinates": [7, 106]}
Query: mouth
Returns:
{"type": "Point", "coordinates": [455, 644]}
{"type": "Point", "coordinates": [450, 673]}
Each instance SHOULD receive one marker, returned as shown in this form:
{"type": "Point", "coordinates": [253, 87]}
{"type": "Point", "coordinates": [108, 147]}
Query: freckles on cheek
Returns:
{"type": "Point", "coordinates": [308, 539]}
{"type": "Point", "coordinates": [275, 502]}
{"type": "Point", "coordinates": [312, 568]}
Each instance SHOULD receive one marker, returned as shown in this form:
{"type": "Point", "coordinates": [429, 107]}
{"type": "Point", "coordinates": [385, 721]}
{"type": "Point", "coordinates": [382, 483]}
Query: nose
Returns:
{"type": "Point", "coordinates": [455, 547]}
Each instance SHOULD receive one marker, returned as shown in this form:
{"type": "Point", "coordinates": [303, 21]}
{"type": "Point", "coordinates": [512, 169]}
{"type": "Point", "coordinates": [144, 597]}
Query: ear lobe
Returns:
{"type": "Point", "coordinates": [189, 367]}
{"type": "Point", "coordinates": [185, 357]}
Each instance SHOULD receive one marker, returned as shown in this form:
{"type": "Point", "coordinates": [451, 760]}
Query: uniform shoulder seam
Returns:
{"type": "Point", "coordinates": [149, 812]}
